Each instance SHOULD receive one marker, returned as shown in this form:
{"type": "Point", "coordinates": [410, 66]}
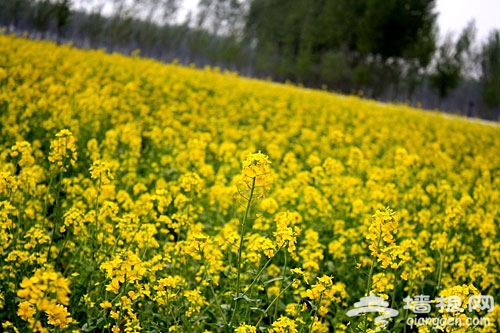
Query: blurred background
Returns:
{"type": "Point", "coordinates": [435, 54]}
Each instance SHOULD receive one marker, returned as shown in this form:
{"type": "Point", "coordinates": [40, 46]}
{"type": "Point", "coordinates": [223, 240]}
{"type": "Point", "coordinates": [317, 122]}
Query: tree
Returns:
{"type": "Point", "coordinates": [42, 15]}
{"type": "Point", "coordinates": [449, 69]}
{"type": "Point", "coordinates": [394, 30]}
{"type": "Point", "coordinates": [12, 12]}
{"type": "Point", "coordinates": [120, 26]}
{"type": "Point", "coordinates": [169, 10]}
{"type": "Point", "coordinates": [62, 12]}
{"type": "Point", "coordinates": [93, 26]}
{"type": "Point", "coordinates": [390, 28]}
{"type": "Point", "coordinates": [335, 70]}
{"type": "Point", "coordinates": [221, 16]}
{"type": "Point", "coordinates": [375, 35]}
{"type": "Point", "coordinates": [490, 64]}
{"type": "Point", "coordinates": [467, 52]}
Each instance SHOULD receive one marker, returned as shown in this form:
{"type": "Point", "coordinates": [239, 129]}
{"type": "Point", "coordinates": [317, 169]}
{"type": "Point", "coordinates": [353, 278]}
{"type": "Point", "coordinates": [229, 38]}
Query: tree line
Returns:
{"type": "Point", "coordinates": [382, 49]}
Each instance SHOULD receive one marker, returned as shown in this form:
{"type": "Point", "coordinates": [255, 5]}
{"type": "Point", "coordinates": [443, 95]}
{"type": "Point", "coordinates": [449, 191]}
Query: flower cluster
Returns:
{"type": "Point", "coordinates": [381, 231]}
{"type": "Point", "coordinates": [257, 171]}
{"type": "Point", "coordinates": [63, 150]}
{"type": "Point", "coordinates": [45, 292]}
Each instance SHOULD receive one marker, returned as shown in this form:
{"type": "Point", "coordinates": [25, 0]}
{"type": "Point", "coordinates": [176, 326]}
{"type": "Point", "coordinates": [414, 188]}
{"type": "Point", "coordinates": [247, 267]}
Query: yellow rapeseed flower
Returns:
{"type": "Point", "coordinates": [63, 150]}
{"type": "Point", "coordinates": [257, 169]}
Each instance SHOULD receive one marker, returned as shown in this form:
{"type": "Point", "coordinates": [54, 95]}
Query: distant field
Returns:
{"type": "Point", "coordinates": [133, 198]}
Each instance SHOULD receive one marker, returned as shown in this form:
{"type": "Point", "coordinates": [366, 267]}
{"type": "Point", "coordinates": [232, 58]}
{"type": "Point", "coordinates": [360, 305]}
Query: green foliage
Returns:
{"type": "Point", "coordinates": [451, 60]}
{"type": "Point", "coordinates": [13, 11]}
{"type": "Point", "coordinates": [447, 72]}
{"type": "Point", "coordinates": [62, 13]}
{"type": "Point", "coordinates": [93, 27]}
{"type": "Point", "coordinates": [306, 36]}
{"type": "Point", "coordinates": [391, 28]}
{"type": "Point", "coordinates": [42, 14]}
{"type": "Point", "coordinates": [490, 62]}
{"type": "Point", "coordinates": [335, 67]}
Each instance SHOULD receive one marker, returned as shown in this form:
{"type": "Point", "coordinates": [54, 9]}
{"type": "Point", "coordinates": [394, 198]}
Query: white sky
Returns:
{"type": "Point", "coordinates": [455, 14]}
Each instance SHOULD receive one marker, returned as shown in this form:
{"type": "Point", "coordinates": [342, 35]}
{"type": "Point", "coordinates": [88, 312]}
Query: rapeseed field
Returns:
{"type": "Point", "coordinates": [137, 196]}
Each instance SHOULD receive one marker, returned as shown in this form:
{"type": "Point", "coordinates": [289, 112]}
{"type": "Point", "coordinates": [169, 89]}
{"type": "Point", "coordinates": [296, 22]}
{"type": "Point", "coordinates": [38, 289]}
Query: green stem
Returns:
{"type": "Point", "coordinates": [272, 303]}
{"type": "Point", "coordinates": [442, 260]}
{"type": "Point", "coordinates": [260, 272]}
{"type": "Point", "coordinates": [56, 216]}
{"type": "Point", "coordinates": [407, 310]}
{"type": "Point", "coordinates": [369, 282]}
{"type": "Point", "coordinates": [207, 277]}
{"type": "Point", "coordinates": [315, 312]}
{"type": "Point", "coordinates": [440, 271]}
{"type": "Point", "coordinates": [46, 203]}
{"type": "Point", "coordinates": [240, 251]}
{"type": "Point", "coordinates": [97, 205]}
{"type": "Point", "coordinates": [281, 284]}
{"type": "Point", "coordinates": [442, 257]}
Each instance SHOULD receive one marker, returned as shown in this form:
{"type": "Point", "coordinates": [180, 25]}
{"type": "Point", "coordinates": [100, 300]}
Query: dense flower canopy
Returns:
{"type": "Point", "coordinates": [123, 185]}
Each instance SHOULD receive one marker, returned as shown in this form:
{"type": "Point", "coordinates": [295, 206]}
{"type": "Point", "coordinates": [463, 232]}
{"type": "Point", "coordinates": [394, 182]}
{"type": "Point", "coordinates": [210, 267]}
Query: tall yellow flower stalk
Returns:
{"type": "Point", "coordinates": [63, 154]}
{"type": "Point", "coordinates": [63, 150]}
{"type": "Point", "coordinates": [256, 175]}
{"type": "Point", "coordinates": [381, 236]}
{"type": "Point", "coordinates": [381, 233]}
